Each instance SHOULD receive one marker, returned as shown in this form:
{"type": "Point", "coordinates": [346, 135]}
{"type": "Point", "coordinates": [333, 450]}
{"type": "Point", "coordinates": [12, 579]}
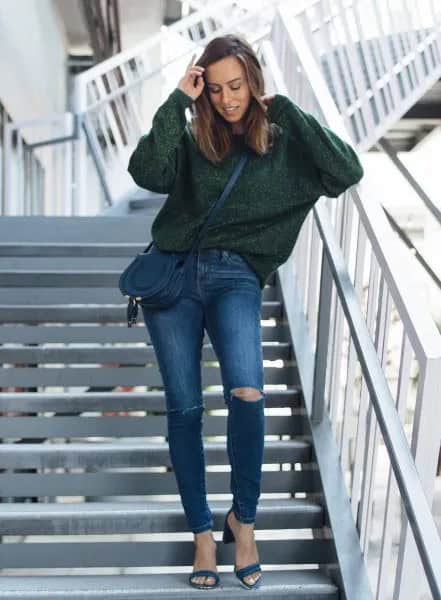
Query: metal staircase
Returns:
{"type": "Point", "coordinates": [63, 327]}
{"type": "Point", "coordinates": [90, 506]}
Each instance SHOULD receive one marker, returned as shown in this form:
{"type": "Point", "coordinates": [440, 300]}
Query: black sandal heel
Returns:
{"type": "Point", "coordinates": [227, 538]}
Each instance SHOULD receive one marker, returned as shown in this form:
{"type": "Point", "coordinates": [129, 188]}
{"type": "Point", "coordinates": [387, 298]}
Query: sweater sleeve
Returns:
{"type": "Point", "coordinates": [337, 162]}
{"type": "Point", "coordinates": [153, 163]}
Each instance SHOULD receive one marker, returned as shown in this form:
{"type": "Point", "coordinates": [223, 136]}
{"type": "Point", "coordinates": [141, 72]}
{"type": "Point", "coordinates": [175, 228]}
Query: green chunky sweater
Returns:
{"type": "Point", "coordinates": [262, 217]}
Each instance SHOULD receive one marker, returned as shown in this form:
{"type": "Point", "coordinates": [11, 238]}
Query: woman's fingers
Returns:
{"type": "Point", "coordinates": [196, 72]}
{"type": "Point", "coordinates": [192, 82]}
{"type": "Point", "coordinates": [267, 99]}
{"type": "Point", "coordinates": [191, 60]}
{"type": "Point", "coordinates": [191, 65]}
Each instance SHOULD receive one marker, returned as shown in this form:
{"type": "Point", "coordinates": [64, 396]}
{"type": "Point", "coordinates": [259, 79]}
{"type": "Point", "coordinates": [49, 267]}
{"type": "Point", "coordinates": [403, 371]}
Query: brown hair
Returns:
{"type": "Point", "coordinates": [213, 135]}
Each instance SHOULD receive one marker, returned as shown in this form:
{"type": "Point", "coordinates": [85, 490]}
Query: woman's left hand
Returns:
{"type": "Point", "coordinates": [267, 99]}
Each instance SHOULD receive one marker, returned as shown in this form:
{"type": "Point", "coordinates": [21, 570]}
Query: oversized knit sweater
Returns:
{"type": "Point", "coordinates": [263, 214]}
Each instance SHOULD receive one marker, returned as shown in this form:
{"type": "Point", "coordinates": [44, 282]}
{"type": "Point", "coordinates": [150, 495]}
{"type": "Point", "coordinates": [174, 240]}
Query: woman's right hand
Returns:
{"type": "Point", "coordinates": [187, 83]}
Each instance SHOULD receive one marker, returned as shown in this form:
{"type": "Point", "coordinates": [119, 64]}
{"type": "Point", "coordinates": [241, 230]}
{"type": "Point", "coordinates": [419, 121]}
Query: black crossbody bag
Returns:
{"type": "Point", "coordinates": [158, 278]}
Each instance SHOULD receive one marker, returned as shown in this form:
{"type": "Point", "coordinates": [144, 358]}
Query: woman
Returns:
{"type": "Point", "coordinates": [294, 160]}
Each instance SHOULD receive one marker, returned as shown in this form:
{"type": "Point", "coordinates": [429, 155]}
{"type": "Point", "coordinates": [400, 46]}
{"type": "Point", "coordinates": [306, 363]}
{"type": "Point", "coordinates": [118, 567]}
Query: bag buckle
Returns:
{"type": "Point", "coordinates": [132, 311]}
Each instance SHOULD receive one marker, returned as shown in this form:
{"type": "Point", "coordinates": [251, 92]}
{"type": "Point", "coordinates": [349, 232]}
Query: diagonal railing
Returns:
{"type": "Point", "coordinates": [40, 176]}
{"type": "Point", "coordinates": [25, 173]}
{"type": "Point", "coordinates": [378, 58]}
{"type": "Point", "coordinates": [353, 310]}
{"type": "Point", "coordinates": [375, 73]}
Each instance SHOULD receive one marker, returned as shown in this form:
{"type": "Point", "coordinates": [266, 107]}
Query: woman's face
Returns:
{"type": "Point", "coordinates": [228, 88]}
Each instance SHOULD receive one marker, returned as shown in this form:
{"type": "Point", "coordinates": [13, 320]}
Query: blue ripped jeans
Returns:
{"type": "Point", "coordinates": [221, 295]}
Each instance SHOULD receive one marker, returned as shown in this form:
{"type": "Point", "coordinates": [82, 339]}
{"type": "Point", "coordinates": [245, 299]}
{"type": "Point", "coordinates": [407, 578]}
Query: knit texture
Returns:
{"type": "Point", "coordinates": [262, 216]}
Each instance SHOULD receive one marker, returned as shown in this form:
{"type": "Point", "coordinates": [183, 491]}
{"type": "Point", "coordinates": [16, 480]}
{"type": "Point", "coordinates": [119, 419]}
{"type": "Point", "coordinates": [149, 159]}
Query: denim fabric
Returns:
{"type": "Point", "coordinates": [221, 295]}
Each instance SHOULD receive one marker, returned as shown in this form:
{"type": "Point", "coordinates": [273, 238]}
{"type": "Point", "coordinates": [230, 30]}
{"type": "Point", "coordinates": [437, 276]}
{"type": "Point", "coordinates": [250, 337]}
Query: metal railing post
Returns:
{"type": "Point", "coordinates": [322, 339]}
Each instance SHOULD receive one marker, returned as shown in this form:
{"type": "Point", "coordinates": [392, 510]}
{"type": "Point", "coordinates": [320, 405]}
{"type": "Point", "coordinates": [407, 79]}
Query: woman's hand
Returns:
{"type": "Point", "coordinates": [192, 83]}
{"type": "Point", "coordinates": [267, 99]}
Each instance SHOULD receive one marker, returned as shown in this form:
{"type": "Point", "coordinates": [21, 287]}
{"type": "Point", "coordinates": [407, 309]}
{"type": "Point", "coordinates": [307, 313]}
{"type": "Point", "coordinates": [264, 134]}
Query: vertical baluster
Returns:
{"type": "Point", "coordinates": [363, 405]}
{"type": "Point", "coordinates": [417, 62]}
{"type": "Point", "coordinates": [321, 348]}
{"type": "Point", "coordinates": [108, 110]}
{"type": "Point", "coordinates": [133, 115]}
{"type": "Point", "coordinates": [100, 120]}
{"type": "Point", "coordinates": [348, 425]}
{"type": "Point", "coordinates": [392, 492]}
{"type": "Point", "coordinates": [387, 57]}
{"type": "Point", "coordinates": [339, 322]}
{"type": "Point", "coordinates": [331, 58]}
{"type": "Point", "coordinates": [306, 252]}
{"type": "Point", "coordinates": [400, 51]}
{"type": "Point", "coordinates": [313, 278]}
{"type": "Point", "coordinates": [120, 104]}
{"type": "Point", "coordinates": [358, 92]}
{"type": "Point", "coordinates": [426, 434]}
{"type": "Point", "coordinates": [424, 41]}
{"type": "Point", "coordinates": [381, 339]}
{"type": "Point", "coordinates": [437, 22]}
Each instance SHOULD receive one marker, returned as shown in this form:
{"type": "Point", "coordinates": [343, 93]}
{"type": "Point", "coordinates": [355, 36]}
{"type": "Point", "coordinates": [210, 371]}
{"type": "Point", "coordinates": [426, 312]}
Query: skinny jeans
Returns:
{"type": "Point", "coordinates": [221, 296]}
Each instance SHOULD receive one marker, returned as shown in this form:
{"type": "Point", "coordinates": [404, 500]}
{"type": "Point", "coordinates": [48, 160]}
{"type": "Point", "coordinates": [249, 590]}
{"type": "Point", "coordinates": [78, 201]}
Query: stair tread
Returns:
{"type": "Point", "coordinates": [17, 396]}
{"type": "Point", "coordinates": [83, 307]}
{"type": "Point", "coordinates": [304, 583]}
{"type": "Point", "coordinates": [128, 446]}
{"type": "Point", "coordinates": [112, 400]}
{"type": "Point", "coordinates": [91, 509]}
{"type": "Point", "coordinates": [126, 453]}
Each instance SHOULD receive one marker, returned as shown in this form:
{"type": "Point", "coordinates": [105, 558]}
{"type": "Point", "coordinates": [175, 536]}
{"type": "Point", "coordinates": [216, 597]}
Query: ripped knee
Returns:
{"type": "Point", "coordinates": [247, 393]}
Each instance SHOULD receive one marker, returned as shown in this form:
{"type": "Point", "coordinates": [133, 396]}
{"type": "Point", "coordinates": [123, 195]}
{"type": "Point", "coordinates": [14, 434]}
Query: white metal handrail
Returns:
{"type": "Point", "coordinates": [378, 58]}
{"type": "Point", "coordinates": [26, 169]}
{"type": "Point", "coordinates": [355, 407]}
{"type": "Point", "coordinates": [118, 97]}
{"type": "Point", "coordinates": [199, 26]}
{"type": "Point", "coordinates": [374, 76]}
{"type": "Point", "coordinates": [37, 174]}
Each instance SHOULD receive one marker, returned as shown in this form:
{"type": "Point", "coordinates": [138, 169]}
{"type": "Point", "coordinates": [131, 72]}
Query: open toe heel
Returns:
{"type": "Point", "coordinates": [202, 573]}
{"type": "Point", "coordinates": [228, 535]}
{"type": "Point", "coordinates": [245, 572]}
{"type": "Point", "coordinates": [227, 538]}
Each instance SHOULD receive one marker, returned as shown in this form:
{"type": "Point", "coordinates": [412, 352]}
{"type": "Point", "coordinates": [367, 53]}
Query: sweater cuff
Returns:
{"type": "Point", "coordinates": [183, 99]}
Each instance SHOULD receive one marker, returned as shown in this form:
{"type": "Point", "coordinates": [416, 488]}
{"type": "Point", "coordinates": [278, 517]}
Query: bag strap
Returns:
{"type": "Point", "coordinates": [221, 201]}
{"type": "Point", "coordinates": [132, 306]}
{"type": "Point", "coordinates": [217, 206]}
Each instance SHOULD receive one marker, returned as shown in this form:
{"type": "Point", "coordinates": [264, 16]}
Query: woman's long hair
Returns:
{"type": "Point", "coordinates": [212, 133]}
